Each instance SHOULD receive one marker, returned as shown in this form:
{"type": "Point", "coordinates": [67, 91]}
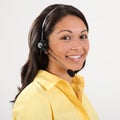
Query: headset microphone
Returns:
{"type": "Point", "coordinates": [70, 72]}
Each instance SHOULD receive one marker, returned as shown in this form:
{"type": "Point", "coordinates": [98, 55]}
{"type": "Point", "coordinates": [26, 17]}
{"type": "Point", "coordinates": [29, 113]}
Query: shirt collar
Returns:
{"type": "Point", "coordinates": [48, 80]}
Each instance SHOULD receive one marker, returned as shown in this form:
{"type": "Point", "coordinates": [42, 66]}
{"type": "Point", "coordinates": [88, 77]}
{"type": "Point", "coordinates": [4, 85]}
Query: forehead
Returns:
{"type": "Point", "coordinates": [71, 22]}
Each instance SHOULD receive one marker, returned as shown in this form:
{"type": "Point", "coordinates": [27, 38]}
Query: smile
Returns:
{"type": "Point", "coordinates": [74, 57]}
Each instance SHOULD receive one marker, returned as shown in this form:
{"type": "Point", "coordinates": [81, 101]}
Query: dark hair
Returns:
{"type": "Point", "coordinates": [37, 59]}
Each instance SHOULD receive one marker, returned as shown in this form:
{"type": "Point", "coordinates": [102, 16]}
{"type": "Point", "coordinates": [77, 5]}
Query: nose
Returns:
{"type": "Point", "coordinates": [77, 45]}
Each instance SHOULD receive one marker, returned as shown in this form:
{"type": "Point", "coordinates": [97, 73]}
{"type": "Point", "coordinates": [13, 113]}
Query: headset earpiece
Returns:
{"type": "Point", "coordinates": [43, 46]}
{"type": "Point", "coordinates": [40, 45]}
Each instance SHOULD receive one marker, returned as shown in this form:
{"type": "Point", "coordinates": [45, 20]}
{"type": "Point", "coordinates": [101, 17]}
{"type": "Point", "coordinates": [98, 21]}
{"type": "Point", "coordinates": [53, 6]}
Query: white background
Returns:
{"type": "Point", "coordinates": [102, 71]}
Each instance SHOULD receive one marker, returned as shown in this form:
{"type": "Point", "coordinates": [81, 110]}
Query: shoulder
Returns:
{"type": "Point", "coordinates": [32, 93]}
{"type": "Point", "coordinates": [33, 89]}
{"type": "Point", "coordinates": [32, 101]}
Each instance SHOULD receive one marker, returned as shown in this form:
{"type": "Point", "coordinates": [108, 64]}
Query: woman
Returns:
{"type": "Point", "coordinates": [51, 89]}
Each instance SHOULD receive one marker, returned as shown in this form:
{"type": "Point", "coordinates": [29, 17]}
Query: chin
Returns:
{"type": "Point", "coordinates": [78, 67]}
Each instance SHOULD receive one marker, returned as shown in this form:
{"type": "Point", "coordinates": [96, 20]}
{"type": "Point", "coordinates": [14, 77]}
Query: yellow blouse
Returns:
{"type": "Point", "coordinates": [49, 97]}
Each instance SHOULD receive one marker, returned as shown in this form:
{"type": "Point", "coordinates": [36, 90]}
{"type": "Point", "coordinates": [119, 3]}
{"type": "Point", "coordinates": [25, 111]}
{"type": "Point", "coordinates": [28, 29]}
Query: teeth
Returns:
{"type": "Point", "coordinates": [74, 57]}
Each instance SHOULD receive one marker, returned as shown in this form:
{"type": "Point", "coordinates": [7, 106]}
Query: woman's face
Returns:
{"type": "Point", "coordinates": [69, 44]}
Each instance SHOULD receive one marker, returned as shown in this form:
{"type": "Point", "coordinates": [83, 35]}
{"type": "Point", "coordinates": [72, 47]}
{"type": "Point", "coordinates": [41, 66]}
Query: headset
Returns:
{"type": "Point", "coordinates": [43, 45]}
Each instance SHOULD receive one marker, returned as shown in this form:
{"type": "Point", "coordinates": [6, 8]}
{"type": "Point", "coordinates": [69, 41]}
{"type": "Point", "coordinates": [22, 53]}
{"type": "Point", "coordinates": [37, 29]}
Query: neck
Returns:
{"type": "Point", "coordinates": [60, 73]}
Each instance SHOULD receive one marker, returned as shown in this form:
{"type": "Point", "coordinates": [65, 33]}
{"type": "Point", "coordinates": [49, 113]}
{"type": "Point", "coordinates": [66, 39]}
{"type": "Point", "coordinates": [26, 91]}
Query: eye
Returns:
{"type": "Point", "coordinates": [83, 37]}
{"type": "Point", "coordinates": [65, 38]}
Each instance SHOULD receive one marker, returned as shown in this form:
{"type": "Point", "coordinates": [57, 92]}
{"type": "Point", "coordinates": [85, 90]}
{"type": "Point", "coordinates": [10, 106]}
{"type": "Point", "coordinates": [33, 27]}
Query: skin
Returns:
{"type": "Point", "coordinates": [69, 44]}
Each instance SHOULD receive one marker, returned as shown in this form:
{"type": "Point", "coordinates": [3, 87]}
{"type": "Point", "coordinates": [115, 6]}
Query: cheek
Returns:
{"type": "Point", "coordinates": [87, 46]}
{"type": "Point", "coordinates": [59, 47]}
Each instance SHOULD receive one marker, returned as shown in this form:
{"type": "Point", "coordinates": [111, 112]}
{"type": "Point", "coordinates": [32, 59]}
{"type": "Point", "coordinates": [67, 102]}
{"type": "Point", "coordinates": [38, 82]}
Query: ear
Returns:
{"type": "Point", "coordinates": [46, 52]}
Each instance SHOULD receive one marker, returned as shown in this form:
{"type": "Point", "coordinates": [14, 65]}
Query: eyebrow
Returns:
{"type": "Point", "coordinates": [84, 31]}
{"type": "Point", "coordinates": [65, 31]}
{"type": "Point", "coordinates": [71, 31]}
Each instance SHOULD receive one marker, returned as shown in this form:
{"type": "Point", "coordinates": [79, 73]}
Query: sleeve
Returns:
{"type": "Point", "coordinates": [32, 108]}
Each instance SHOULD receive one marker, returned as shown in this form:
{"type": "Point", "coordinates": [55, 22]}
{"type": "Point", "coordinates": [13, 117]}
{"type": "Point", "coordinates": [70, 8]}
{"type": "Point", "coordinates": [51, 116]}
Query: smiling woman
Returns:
{"type": "Point", "coordinates": [58, 47]}
{"type": "Point", "coordinates": [69, 44]}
